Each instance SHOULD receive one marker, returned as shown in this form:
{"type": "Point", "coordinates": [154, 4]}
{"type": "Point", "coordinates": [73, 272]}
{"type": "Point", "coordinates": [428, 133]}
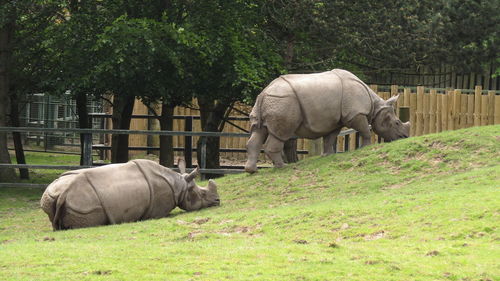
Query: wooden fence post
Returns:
{"type": "Point", "coordinates": [477, 105]}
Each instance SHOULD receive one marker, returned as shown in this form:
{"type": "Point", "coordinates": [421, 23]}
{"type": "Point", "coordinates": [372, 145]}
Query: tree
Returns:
{"type": "Point", "coordinates": [237, 59]}
{"type": "Point", "coordinates": [20, 23]}
{"type": "Point", "coordinates": [6, 33]}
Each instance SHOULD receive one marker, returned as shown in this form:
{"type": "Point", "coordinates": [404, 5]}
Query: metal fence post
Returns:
{"type": "Point", "coordinates": [188, 142]}
{"type": "Point", "coordinates": [203, 158]}
{"type": "Point", "coordinates": [87, 149]}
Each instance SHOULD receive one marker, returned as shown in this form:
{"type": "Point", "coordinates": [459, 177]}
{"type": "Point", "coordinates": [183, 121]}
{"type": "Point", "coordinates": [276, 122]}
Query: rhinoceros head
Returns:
{"type": "Point", "coordinates": [387, 125]}
{"type": "Point", "coordinates": [196, 197]}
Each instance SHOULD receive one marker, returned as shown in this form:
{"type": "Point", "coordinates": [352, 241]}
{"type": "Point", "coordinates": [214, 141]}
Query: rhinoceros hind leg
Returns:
{"type": "Point", "coordinates": [274, 148]}
{"type": "Point", "coordinates": [360, 124]}
{"type": "Point", "coordinates": [73, 219]}
{"type": "Point", "coordinates": [254, 145]}
{"type": "Point", "coordinates": [328, 142]}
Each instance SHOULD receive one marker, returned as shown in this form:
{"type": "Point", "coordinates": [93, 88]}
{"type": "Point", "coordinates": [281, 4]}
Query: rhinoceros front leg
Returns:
{"type": "Point", "coordinates": [360, 124]}
{"type": "Point", "coordinates": [328, 142]}
{"type": "Point", "coordinates": [274, 148]}
{"type": "Point", "coordinates": [254, 145]}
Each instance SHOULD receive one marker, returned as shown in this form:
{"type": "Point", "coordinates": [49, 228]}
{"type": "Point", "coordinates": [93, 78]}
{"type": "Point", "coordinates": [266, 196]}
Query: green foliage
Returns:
{"type": "Point", "coordinates": [141, 57]}
{"type": "Point", "coordinates": [330, 218]}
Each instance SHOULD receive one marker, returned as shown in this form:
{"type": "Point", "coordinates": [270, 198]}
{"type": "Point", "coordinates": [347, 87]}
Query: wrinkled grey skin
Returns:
{"type": "Point", "coordinates": [119, 193]}
{"type": "Point", "coordinates": [318, 105]}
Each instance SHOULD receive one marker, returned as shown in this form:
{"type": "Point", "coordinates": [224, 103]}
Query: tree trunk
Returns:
{"type": "Point", "coordinates": [212, 114]}
{"type": "Point", "coordinates": [5, 55]}
{"type": "Point", "coordinates": [166, 142]}
{"type": "Point", "coordinates": [83, 119]}
{"type": "Point", "coordinates": [122, 114]}
{"type": "Point", "coordinates": [16, 136]}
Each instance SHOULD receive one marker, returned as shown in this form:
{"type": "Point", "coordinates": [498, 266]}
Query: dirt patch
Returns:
{"type": "Point", "coordinates": [432, 253]}
{"type": "Point", "coordinates": [300, 241]}
{"type": "Point", "coordinates": [236, 230]}
{"type": "Point", "coordinates": [375, 236]}
{"type": "Point", "coordinates": [200, 221]}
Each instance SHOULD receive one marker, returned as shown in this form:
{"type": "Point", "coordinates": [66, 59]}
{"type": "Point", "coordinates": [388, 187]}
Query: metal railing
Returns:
{"type": "Point", "coordinates": [88, 147]}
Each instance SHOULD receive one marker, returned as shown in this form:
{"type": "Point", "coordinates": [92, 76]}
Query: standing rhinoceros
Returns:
{"type": "Point", "coordinates": [318, 105]}
{"type": "Point", "coordinates": [118, 193]}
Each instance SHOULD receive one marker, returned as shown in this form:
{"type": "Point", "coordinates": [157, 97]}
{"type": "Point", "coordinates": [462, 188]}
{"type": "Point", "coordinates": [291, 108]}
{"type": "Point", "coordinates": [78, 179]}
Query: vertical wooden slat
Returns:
{"type": "Point", "coordinates": [451, 123]}
{"type": "Point", "coordinates": [463, 111]}
{"type": "Point", "coordinates": [456, 109]}
{"type": "Point", "coordinates": [484, 110]}
{"type": "Point", "coordinates": [394, 90]}
{"type": "Point", "coordinates": [426, 113]}
{"type": "Point", "coordinates": [491, 107]}
{"type": "Point", "coordinates": [432, 110]}
{"type": "Point", "coordinates": [439, 117]}
{"type": "Point", "coordinates": [413, 114]}
{"type": "Point", "coordinates": [406, 94]}
{"type": "Point", "coordinates": [477, 105]}
{"type": "Point", "coordinates": [419, 111]}
{"type": "Point", "coordinates": [470, 110]}
{"type": "Point", "coordinates": [497, 109]}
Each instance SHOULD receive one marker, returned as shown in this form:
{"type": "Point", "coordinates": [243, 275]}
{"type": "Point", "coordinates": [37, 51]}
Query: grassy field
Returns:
{"type": "Point", "coordinates": [424, 208]}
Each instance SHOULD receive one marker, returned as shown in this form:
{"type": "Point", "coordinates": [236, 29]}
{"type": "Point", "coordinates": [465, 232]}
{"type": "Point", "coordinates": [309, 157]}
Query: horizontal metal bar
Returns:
{"type": "Point", "coordinates": [124, 132]}
{"type": "Point", "coordinates": [153, 148]}
{"type": "Point", "coordinates": [22, 184]}
{"type": "Point", "coordinates": [43, 167]}
{"type": "Point", "coordinates": [138, 132]}
{"type": "Point", "coordinates": [147, 116]}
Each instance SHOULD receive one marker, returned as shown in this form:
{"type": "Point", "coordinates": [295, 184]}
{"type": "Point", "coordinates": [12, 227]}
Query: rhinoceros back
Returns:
{"type": "Point", "coordinates": [133, 191]}
{"type": "Point", "coordinates": [136, 190]}
{"type": "Point", "coordinates": [320, 99]}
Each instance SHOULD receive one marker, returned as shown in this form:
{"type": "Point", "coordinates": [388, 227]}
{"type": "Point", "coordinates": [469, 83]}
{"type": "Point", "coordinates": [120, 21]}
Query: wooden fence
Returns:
{"type": "Point", "coordinates": [432, 110]}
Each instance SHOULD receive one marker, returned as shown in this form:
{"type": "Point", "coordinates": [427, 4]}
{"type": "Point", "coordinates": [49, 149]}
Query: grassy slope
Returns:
{"type": "Point", "coordinates": [425, 208]}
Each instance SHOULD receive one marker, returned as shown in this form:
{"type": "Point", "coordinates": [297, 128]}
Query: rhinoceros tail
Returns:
{"type": "Point", "coordinates": [58, 209]}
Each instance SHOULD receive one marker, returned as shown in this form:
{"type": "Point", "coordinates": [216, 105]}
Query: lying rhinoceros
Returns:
{"type": "Point", "coordinates": [118, 193]}
{"type": "Point", "coordinates": [318, 105]}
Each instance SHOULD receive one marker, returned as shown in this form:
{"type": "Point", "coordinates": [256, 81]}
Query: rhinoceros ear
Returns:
{"type": "Point", "coordinates": [190, 177]}
{"type": "Point", "coordinates": [392, 101]}
{"type": "Point", "coordinates": [182, 165]}
{"type": "Point", "coordinates": [212, 186]}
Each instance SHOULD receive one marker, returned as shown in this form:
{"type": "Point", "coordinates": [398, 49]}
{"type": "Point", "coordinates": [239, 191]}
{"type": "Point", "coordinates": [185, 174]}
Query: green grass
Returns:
{"type": "Point", "coordinates": [424, 208]}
